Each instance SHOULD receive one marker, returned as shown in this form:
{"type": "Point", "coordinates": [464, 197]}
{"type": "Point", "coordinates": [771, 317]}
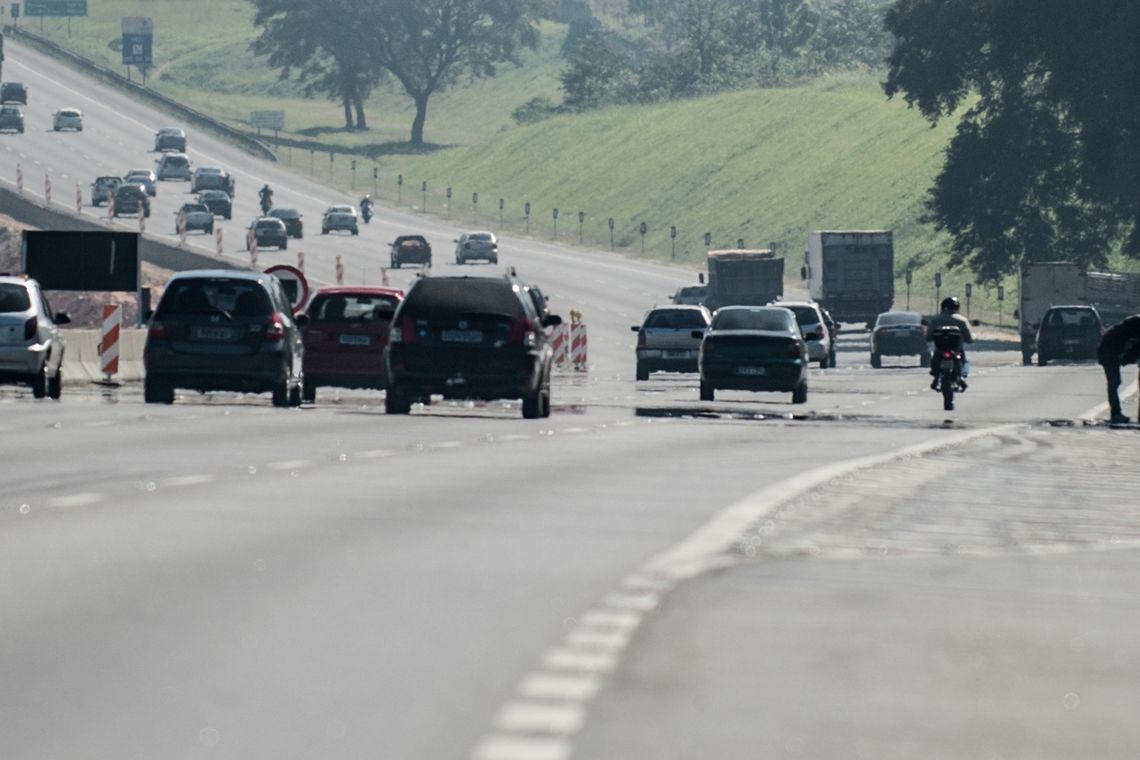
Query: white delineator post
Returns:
{"type": "Point", "coordinates": [47, 189]}
{"type": "Point", "coordinates": [301, 260]}
{"type": "Point", "coordinates": [78, 199]}
{"type": "Point", "coordinates": [218, 238]}
{"type": "Point", "coordinates": [109, 342]}
{"type": "Point", "coordinates": [20, 177]}
{"type": "Point", "coordinates": [339, 271]}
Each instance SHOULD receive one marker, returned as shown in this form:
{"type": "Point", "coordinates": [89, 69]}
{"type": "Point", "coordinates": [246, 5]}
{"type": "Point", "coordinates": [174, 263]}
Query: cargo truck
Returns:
{"type": "Point", "coordinates": [1061, 283]}
{"type": "Point", "coordinates": [744, 277]}
{"type": "Point", "coordinates": [851, 273]}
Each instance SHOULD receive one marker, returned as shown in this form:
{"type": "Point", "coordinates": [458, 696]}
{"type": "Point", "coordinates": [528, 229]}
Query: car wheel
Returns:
{"type": "Point", "coordinates": [831, 360]}
{"type": "Point", "coordinates": [494, 261]}
{"type": "Point", "coordinates": [295, 395]}
{"type": "Point", "coordinates": [209, 230]}
{"type": "Point", "coordinates": [55, 385]}
{"type": "Point", "coordinates": [1041, 360]}
{"type": "Point", "coordinates": [55, 129]}
{"type": "Point", "coordinates": [396, 402]}
{"type": "Point", "coordinates": [532, 405]}
{"type": "Point", "coordinates": [309, 392]}
{"type": "Point", "coordinates": [458, 261]}
{"type": "Point", "coordinates": [545, 411]}
{"type": "Point", "coordinates": [281, 394]}
{"type": "Point", "coordinates": [356, 232]}
{"type": "Point", "coordinates": [642, 372]}
{"type": "Point", "coordinates": [799, 394]}
{"type": "Point", "coordinates": [395, 264]}
{"type": "Point", "coordinates": [229, 216]}
{"type": "Point", "coordinates": [39, 384]}
{"type": "Point", "coordinates": [155, 392]}
{"type": "Point", "coordinates": [924, 359]}
{"type": "Point", "coordinates": [285, 246]}
{"type": "Point", "coordinates": [876, 361]}
{"type": "Point", "coordinates": [707, 391]}
{"type": "Point", "coordinates": [324, 231]}
{"type": "Point", "coordinates": [823, 362]}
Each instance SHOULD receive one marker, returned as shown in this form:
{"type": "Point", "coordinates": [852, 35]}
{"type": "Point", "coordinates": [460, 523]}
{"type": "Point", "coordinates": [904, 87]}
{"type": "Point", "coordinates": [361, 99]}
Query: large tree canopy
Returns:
{"type": "Point", "coordinates": [1044, 161]}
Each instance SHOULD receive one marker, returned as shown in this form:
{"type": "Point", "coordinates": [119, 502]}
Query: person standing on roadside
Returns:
{"type": "Point", "coordinates": [1120, 345]}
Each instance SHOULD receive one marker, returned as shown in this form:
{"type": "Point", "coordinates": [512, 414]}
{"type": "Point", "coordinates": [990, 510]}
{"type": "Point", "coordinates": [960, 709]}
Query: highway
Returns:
{"type": "Point", "coordinates": [864, 575]}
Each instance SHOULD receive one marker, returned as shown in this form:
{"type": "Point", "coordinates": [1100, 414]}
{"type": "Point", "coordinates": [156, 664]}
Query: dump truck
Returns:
{"type": "Point", "coordinates": [1062, 283]}
{"type": "Point", "coordinates": [744, 277]}
{"type": "Point", "coordinates": [851, 273]}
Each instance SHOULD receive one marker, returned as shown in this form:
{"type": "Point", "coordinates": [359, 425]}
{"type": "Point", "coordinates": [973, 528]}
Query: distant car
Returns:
{"type": "Point", "coordinates": [144, 177]}
{"type": "Point", "coordinates": [899, 333]}
{"type": "Point", "coordinates": [67, 118]}
{"type": "Point", "coordinates": [224, 330]}
{"type": "Point", "coordinates": [410, 249]}
{"type": "Point", "coordinates": [477, 245]}
{"type": "Point", "coordinates": [469, 338]}
{"type": "Point", "coordinates": [218, 201]}
{"type": "Point", "coordinates": [294, 220]}
{"type": "Point", "coordinates": [211, 178]}
{"type": "Point", "coordinates": [267, 231]}
{"type": "Point", "coordinates": [753, 348]}
{"type": "Point", "coordinates": [13, 92]}
{"type": "Point", "coordinates": [31, 345]}
{"type": "Point", "coordinates": [197, 217]}
{"type": "Point", "coordinates": [690, 295]}
{"type": "Point", "coordinates": [814, 329]}
{"type": "Point", "coordinates": [170, 138]}
{"type": "Point", "coordinates": [11, 119]}
{"type": "Point", "coordinates": [1069, 332]}
{"type": "Point", "coordinates": [174, 166]}
{"type": "Point", "coordinates": [339, 218]}
{"type": "Point", "coordinates": [131, 199]}
{"type": "Point", "coordinates": [102, 187]}
{"type": "Point", "coordinates": [666, 340]}
{"type": "Point", "coordinates": [346, 336]}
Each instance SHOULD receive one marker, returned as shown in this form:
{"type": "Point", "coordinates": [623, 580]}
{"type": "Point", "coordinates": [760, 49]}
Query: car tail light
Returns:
{"type": "Point", "coordinates": [31, 327]}
{"type": "Point", "coordinates": [947, 354]}
{"type": "Point", "coordinates": [403, 331]}
{"type": "Point", "coordinates": [795, 348]}
{"type": "Point", "coordinates": [156, 330]}
{"type": "Point", "coordinates": [276, 329]}
{"type": "Point", "coordinates": [641, 338]}
{"type": "Point", "coordinates": [522, 333]}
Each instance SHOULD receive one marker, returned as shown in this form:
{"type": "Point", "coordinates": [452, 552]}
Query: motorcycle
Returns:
{"type": "Point", "coordinates": [366, 212]}
{"type": "Point", "coordinates": [947, 361]}
{"type": "Point", "coordinates": [266, 204]}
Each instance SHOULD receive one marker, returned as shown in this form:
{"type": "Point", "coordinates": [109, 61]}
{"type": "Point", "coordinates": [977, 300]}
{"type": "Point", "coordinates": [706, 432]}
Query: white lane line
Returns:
{"type": "Point", "coordinates": [514, 437]}
{"type": "Point", "coordinates": [290, 464]}
{"type": "Point", "coordinates": [445, 445]}
{"type": "Point", "coordinates": [600, 618]}
{"type": "Point", "coordinates": [561, 686]}
{"type": "Point", "coordinates": [579, 661]}
{"type": "Point", "coordinates": [537, 718]}
{"type": "Point", "coordinates": [183, 481]}
{"type": "Point", "coordinates": [1102, 409]}
{"type": "Point", "coordinates": [374, 454]}
{"type": "Point", "coordinates": [594, 640]}
{"type": "Point", "coordinates": [515, 748]}
{"type": "Point", "coordinates": [76, 500]}
{"type": "Point", "coordinates": [639, 602]}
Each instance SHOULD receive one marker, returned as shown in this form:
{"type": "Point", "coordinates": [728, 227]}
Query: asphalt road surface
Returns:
{"type": "Point", "coordinates": [642, 573]}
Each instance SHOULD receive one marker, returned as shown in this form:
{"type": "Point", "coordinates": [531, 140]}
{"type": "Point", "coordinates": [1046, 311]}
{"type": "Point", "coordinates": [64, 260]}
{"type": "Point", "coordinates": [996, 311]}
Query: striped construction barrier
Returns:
{"type": "Point", "coordinates": [109, 339]}
{"type": "Point", "coordinates": [301, 261]}
{"type": "Point", "coordinates": [78, 199]}
{"type": "Point", "coordinates": [578, 346]}
{"type": "Point", "coordinates": [218, 238]}
{"type": "Point", "coordinates": [339, 271]}
{"type": "Point", "coordinates": [560, 342]}
{"type": "Point", "coordinates": [47, 189]}
{"type": "Point", "coordinates": [20, 177]}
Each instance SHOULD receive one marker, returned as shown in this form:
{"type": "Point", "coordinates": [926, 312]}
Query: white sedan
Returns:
{"type": "Point", "coordinates": [67, 118]}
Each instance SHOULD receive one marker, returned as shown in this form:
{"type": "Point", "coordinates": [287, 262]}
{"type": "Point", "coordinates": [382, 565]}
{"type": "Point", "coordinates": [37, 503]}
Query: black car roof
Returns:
{"type": "Point", "coordinates": [493, 295]}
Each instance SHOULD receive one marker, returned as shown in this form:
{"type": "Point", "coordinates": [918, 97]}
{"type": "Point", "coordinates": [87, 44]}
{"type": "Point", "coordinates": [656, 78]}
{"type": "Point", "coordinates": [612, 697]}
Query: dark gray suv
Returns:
{"type": "Point", "coordinates": [469, 338]}
{"type": "Point", "coordinates": [223, 330]}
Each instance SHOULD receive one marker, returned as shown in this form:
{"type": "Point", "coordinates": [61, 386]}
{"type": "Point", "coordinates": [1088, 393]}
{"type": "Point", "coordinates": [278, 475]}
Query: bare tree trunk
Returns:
{"type": "Point", "coordinates": [347, 102]}
{"type": "Point", "coordinates": [358, 102]}
{"type": "Point", "coordinates": [421, 116]}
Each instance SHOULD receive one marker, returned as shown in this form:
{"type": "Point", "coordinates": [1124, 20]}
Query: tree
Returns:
{"type": "Point", "coordinates": [596, 75]}
{"type": "Point", "coordinates": [429, 44]}
{"type": "Point", "coordinates": [324, 45]}
{"type": "Point", "coordinates": [1044, 161]}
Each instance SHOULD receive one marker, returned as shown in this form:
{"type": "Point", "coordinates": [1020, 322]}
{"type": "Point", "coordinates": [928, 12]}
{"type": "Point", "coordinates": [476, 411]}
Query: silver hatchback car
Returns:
{"type": "Point", "coordinates": [668, 339]}
{"type": "Point", "coordinates": [31, 345]}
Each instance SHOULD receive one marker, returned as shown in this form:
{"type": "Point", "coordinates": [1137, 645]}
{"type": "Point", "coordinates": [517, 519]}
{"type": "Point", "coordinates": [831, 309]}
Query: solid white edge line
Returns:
{"type": "Point", "coordinates": [76, 500]}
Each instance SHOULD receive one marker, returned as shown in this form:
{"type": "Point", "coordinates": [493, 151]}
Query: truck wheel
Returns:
{"type": "Point", "coordinates": [877, 361]}
{"type": "Point", "coordinates": [1026, 358]}
{"type": "Point", "coordinates": [707, 391]}
{"type": "Point", "coordinates": [642, 372]}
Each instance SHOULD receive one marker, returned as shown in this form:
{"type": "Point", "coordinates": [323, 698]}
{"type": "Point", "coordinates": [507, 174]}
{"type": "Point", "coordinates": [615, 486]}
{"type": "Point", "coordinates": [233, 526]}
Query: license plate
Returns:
{"type": "Point", "coordinates": [677, 354]}
{"type": "Point", "coordinates": [1072, 341]}
{"type": "Point", "coordinates": [751, 370]}
{"type": "Point", "coordinates": [461, 336]}
{"type": "Point", "coordinates": [355, 340]}
{"type": "Point", "coordinates": [212, 333]}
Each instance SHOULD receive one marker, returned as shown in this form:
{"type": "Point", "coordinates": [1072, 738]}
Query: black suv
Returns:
{"type": "Point", "coordinates": [410, 249]}
{"type": "Point", "coordinates": [469, 338]}
{"type": "Point", "coordinates": [14, 92]}
{"type": "Point", "coordinates": [11, 119]}
{"type": "Point", "coordinates": [1069, 332]}
{"type": "Point", "coordinates": [224, 330]}
{"type": "Point", "coordinates": [131, 199]}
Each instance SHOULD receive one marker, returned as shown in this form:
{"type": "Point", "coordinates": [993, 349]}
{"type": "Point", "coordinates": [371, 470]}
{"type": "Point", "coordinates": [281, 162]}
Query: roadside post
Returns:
{"type": "Point", "coordinates": [740, 243]}
{"type": "Point", "coordinates": [375, 180]}
{"type": "Point", "coordinates": [611, 223]}
{"type": "Point", "coordinates": [218, 240]}
{"type": "Point", "coordinates": [181, 228]}
{"type": "Point", "coordinates": [448, 202]}
{"type": "Point", "coordinates": [78, 199]}
{"type": "Point", "coordinates": [423, 190]}
{"type": "Point", "coordinates": [526, 213]}
{"type": "Point", "coordinates": [708, 239]}
{"type": "Point", "coordinates": [353, 169]}
{"type": "Point", "coordinates": [969, 292]}
{"type": "Point", "coordinates": [556, 223]}
{"type": "Point", "coordinates": [474, 208]}
{"type": "Point", "coordinates": [109, 340]}
{"type": "Point", "coordinates": [937, 291]}
{"type": "Point", "coordinates": [673, 241]}
{"type": "Point", "coordinates": [502, 203]}
{"type": "Point", "coordinates": [1001, 305]}
{"type": "Point", "coordinates": [339, 271]}
{"type": "Point", "coordinates": [908, 278]}
{"type": "Point", "coordinates": [581, 221]}
{"type": "Point", "coordinates": [300, 261]}
{"type": "Point", "coordinates": [332, 157]}
{"type": "Point", "coordinates": [399, 188]}
{"type": "Point", "coordinates": [20, 177]}
{"type": "Point", "coordinates": [644, 228]}
{"type": "Point", "coordinates": [47, 189]}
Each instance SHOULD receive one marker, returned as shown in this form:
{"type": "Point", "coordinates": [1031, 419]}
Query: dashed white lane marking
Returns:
{"type": "Point", "coordinates": [538, 718]}
{"type": "Point", "coordinates": [76, 500]}
{"type": "Point", "coordinates": [621, 621]}
{"type": "Point", "coordinates": [613, 641]}
{"type": "Point", "coordinates": [639, 602]}
{"type": "Point", "coordinates": [445, 445]}
{"type": "Point", "coordinates": [375, 453]}
{"type": "Point", "coordinates": [579, 661]}
{"type": "Point", "coordinates": [578, 686]}
{"type": "Point", "coordinates": [182, 481]}
{"type": "Point", "coordinates": [290, 464]}
{"type": "Point", "coordinates": [514, 748]}
{"type": "Point", "coordinates": [514, 437]}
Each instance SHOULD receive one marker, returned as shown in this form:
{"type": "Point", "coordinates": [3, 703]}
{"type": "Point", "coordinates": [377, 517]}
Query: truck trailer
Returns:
{"type": "Point", "coordinates": [851, 273]}
{"type": "Point", "coordinates": [744, 277]}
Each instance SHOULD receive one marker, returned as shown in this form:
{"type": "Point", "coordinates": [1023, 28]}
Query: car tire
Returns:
{"type": "Point", "coordinates": [395, 264]}
{"type": "Point", "coordinates": [209, 230]}
{"type": "Point", "coordinates": [642, 372]}
{"type": "Point", "coordinates": [799, 394]}
{"type": "Point", "coordinates": [281, 394]}
{"type": "Point", "coordinates": [876, 361]}
{"type": "Point", "coordinates": [155, 392]}
{"type": "Point", "coordinates": [284, 246]}
{"type": "Point", "coordinates": [831, 360]}
{"type": "Point", "coordinates": [708, 393]}
{"type": "Point", "coordinates": [324, 231]}
{"type": "Point", "coordinates": [55, 385]}
{"type": "Point", "coordinates": [458, 261]}
{"type": "Point", "coordinates": [545, 411]}
{"type": "Point", "coordinates": [1042, 360]}
{"type": "Point", "coordinates": [924, 359]}
{"type": "Point", "coordinates": [39, 384]}
{"type": "Point", "coordinates": [309, 392]}
{"type": "Point", "coordinates": [823, 362]}
{"type": "Point", "coordinates": [494, 261]}
{"type": "Point", "coordinates": [396, 402]}
{"type": "Point", "coordinates": [55, 129]}
{"type": "Point", "coordinates": [229, 216]}
{"type": "Point", "coordinates": [532, 405]}
{"type": "Point", "coordinates": [295, 395]}
{"type": "Point", "coordinates": [356, 232]}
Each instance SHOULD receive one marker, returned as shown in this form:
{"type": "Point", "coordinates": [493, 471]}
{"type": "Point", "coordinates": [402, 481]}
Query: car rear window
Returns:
{"type": "Point", "coordinates": [352, 308]}
{"type": "Point", "coordinates": [676, 319]}
{"type": "Point", "coordinates": [462, 295]}
{"type": "Point", "coordinates": [899, 318]}
{"type": "Point", "coordinates": [176, 161]}
{"type": "Point", "coordinates": [269, 224]}
{"type": "Point", "coordinates": [13, 298]}
{"type": "Point", "coordinates": [481, 236]}
{"type": "Point", "coordinates": [750, 319]}
{"type": "Point", "coordinates": [285, 213]}
{"type": "Point", "coordinates": [214, 295]}
{"type": "Point", "coordinates": [1070, 318]}
{"type": "Point", "coordinates": [805, 315]}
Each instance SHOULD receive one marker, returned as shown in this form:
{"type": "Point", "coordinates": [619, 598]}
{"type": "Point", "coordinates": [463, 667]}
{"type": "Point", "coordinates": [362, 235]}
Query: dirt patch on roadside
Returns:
{"type": "Point", "coordinates": [84, 307]}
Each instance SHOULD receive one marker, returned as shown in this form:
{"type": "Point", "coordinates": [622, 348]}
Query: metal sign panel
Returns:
{"type": "Point", "coordinates": [138, 41]}
{"type": "Point", "coordinates": [267, 119]}
{"type": "Point", "coordinates": [293, 282]}
{"type": "Point", "coordinates": [71, 260]}
{"type": "Point", "coordinates": [55, 7]}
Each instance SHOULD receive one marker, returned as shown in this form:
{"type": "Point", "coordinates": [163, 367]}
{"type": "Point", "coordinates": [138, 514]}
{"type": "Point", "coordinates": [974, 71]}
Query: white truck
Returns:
{"type": "Point", "coordinates": [752, 277]}
{"type": "Point", "coordinates": [1061, 283]}
{"type": "Point", "coordinates": [851, 273]}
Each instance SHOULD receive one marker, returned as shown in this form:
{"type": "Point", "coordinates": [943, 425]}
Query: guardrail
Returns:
{"type": "Point", "coordinates": [246, 141]}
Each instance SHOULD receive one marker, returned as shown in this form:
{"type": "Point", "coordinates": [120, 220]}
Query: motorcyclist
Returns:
{"type": "Point", "coordinates": [366, 205]}
{"type": "Point", "coordinates": [266, 196]}
{"type": "Point", "coordinates": [949, 317]}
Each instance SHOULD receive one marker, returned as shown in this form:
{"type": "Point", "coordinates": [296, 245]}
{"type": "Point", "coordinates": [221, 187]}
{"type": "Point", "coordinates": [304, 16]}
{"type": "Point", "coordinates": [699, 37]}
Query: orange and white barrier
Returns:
{"type": "Point", "coordinates": [560, 342]}
{"type": "Point", "coordinates": [301, 260]}
{"type": "Point", "coordinates": [181, 228]}
{"type": "Point", "coordinates": [218, 238]}
{"type": "Point", "coordinates": [20, 177]}
{"type": "Point", "coordinates": [578, 346]}
{"type": "Point", "coordinates": [384, 277]}
{"type": "Point", "coordinates": [109, 342]}
{"type": "Point", "coordinates": [339, 271]}
{"type": "Point", "coordinates": [253, 250]}
{"type": "Point", "coordinates": [142, 220]}
{"type": "Point", "coordinates": [110, 205]}
{"type": "Point", "coordinates": [47, 189]}
{"type": "Point", "coordinates": [78, 199]}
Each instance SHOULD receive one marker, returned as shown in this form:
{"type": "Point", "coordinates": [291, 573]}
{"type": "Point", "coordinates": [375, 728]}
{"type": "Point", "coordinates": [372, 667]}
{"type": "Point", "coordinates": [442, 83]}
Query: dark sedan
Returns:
{"type": "Point", "coordinates": [218, 201]}
{"type": "Point", "coordinates": [293, 219]}
{"type": "Point", "coordinates": [1069, 332]}
{"type": "Point", "coordinates": [899, 333]}
{"type": "Point", "coordinates": [753, 348]}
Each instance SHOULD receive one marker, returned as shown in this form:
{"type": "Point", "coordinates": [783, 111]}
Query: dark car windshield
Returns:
{"type": "Point", "coordinates": [899, 318]}
{"type": "Point", "coordinates": [462, 295]}
{"type": "Point", "coordinates": [805, 315]}
{"type": "Point", "coordinates": [285, 213]}
{"type": "Point", "coordinates": [677, 319]}
{"type": "Point", "coordinates": [214, 295]}
{"type": "Point", "coordinates": [753, 319]}
{"type": "Point", "coordinates": [1070, 318]}
{"type": "Point", "coordinates": [194, 207]}
{"type": "Point", "coordinates": [348, 307]}
{"type": "Point", "coordinates": [13, 298]}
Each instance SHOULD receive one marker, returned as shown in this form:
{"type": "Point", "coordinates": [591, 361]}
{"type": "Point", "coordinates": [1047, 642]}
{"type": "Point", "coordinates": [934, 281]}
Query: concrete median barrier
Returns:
{"type": "Point", "coordinates": [81, 361]}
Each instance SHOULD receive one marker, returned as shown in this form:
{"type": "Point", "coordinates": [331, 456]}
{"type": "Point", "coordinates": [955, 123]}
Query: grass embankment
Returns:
{"type": "Point", "coordinates": [762, 166]}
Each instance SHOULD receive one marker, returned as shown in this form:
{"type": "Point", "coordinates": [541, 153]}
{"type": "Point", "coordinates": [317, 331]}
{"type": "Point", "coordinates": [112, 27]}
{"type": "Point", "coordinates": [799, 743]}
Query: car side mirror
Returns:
{"type": "Point", "coordinates": [302, 320]}
{"type": "Point", "coordinates": [61, 318]}
{"type": "Point", "coordinates": [976, 322]}
{"type": "Point", "coordinates": [551, 320]}
{"type": "Point", "coordinates": [698, 333]}
{"type": "Point", "coordinates": [635, 328]}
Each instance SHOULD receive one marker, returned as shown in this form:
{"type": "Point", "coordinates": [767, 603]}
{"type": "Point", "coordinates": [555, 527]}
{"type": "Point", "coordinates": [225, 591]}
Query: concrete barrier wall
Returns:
{"type": "Point", "coordinates": [81, 361]}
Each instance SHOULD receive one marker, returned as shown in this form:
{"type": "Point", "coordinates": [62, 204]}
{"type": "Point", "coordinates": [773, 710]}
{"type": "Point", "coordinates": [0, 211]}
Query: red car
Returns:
{"type": "Point", "coordinates": [346, 336]}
